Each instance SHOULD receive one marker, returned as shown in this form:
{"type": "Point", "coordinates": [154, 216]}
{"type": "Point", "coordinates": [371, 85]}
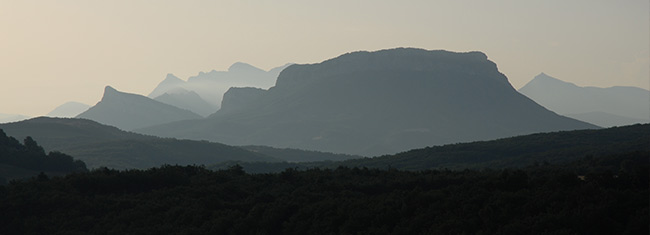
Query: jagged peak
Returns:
{"type": "Point", "coordinates": [109, 89]}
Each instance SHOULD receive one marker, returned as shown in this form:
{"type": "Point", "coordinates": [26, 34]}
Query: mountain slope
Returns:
{"type": "Point", "coordinates": [601, 106]}
{"type": "Point", "coordinates": [372, 103]}
{"type": "Point", "coordinates": [68, 109]}
{"type": "Point", "coordinates": [101, 145]}
{"type": "Point", "coordinates": [130, 111]}
{"type": "Point", "coordinates": [188, 100]}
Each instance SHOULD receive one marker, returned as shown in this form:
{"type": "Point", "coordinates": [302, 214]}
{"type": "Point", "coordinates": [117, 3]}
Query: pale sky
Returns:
{"type": "Point", "coordinates": [52, 52]}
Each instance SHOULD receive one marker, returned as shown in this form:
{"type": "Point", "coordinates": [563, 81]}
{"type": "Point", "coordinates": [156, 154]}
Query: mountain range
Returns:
{"type": "Point", "coordinates": [211, 86]}
{"type": "Point", "coordinates": [373, 103]}
{"type": "Point", "coordinates": [612, 106]}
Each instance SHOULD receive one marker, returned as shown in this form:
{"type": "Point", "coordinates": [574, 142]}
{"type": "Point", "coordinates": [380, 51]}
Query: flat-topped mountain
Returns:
{"type": "Point", "coordinates": [101, 145]}
{"type": "Point", "coordinates": [613, 106]}
{"type": "Point", "coordinates": [130, 111]}
{"type": "Point", "coordinates": [380, 102]}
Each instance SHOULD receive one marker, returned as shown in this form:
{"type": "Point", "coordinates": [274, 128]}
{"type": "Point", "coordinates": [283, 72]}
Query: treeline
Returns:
{"type": "Point", "coordinates": [29, 155]}
{"type": "Point", "coordinates": [607, 195]}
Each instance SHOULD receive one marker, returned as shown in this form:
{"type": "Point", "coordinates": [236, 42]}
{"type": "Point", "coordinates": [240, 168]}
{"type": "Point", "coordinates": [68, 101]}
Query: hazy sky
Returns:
{"type": "Point", "coordinates": [52, 52]}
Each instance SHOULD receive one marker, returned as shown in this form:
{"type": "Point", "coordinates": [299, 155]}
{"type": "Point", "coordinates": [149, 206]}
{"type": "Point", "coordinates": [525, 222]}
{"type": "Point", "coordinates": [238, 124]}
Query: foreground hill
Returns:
{"type": "Point", "coordinates": [130, 111]}
{"type": "Point", "coordinates": [613, 106]}
{"type": "Point", "coordinates": [372, 103]}
{"type": "Point", "coordinates": [101, 145]}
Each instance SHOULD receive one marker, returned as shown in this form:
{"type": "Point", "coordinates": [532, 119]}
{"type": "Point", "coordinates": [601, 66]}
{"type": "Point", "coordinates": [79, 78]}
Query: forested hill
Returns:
{"type": "Point", "coordinates": [28, 159]}
{"type": "Point", "coordinates": [521, 151]}
{"type": "Point", "coordinates": [101, 145]}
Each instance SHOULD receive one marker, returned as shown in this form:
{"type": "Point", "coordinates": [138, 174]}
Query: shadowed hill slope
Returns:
{"type": "Point", "coordinates": [101, 145]}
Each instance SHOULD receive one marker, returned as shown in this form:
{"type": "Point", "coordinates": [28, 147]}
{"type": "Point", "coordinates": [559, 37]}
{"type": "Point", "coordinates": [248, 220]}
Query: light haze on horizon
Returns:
{"type": "Point", "coordinates": [52, 52]}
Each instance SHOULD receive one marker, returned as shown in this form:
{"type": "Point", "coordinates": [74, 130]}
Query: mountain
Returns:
{"type": "Point", "coordinates": [237, 98]}
{"type": "Point", "coordinates": [188, 100]}
{"type": "Point", "coordinates": [373, 103]}
{"type": "Point", "coordinates": [212, 85]}
{"type": "Point", "coordinates": [68, 109]}
{"type": "Point", "coordinates": [130, 111]}
{"type": "Point", "coordinates": [102, 145]}
{"type": "Point", "coordinates": [169, 83]}
{"type": "Point", "coordinates": [613, 106]}
{"type": "Point", "coordinates": [5, 118]}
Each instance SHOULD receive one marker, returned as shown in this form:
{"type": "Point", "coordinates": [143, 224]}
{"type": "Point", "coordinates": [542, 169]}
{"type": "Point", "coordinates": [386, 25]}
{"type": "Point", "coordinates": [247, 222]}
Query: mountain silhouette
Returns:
{"type": "Point", "coordinates": [101, 145]}
{"type": "Point", "coordinates": [372, 103]}
{"type": "Point", "coordinates": [68, 109]}
{"type": "Point", "coordinates": [130, 111]}
{"type": "Point", "coordinates": [212, 85]}
{"type": "Point", "coordinates": [169, 83]}
{"type": "Point", "coordinates": [189, 100]}
{"type": "Point", "coordinates": [613, 106]}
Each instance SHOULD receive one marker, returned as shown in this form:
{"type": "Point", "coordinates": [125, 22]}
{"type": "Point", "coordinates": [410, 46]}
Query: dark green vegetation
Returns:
{"type": "Point", "coordinates": [552, 199]}
{"type": "Point", "coordinates": [100, 145]}
{"type": "Point", "coordinates": [28, 159]}
{"type": "Point", "coordinates": [373, 103]}
{"type": "Point", "coordinates": [556, 147]}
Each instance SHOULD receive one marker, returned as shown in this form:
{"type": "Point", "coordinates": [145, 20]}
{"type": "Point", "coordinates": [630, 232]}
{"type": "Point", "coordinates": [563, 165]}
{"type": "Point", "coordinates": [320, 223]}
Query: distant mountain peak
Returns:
{"type": "Point", "coordinates": [110, 91]}
{"type": "Point", "coordinates": [243, 67]}
{"type": "Point", "coordinates": [544, 78]}
{"type": "Point", "coordinates": [172, 78]}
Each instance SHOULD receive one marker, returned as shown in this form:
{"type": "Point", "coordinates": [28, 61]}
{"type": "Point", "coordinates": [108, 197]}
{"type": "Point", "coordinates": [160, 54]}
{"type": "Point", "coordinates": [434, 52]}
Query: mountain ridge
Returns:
{"type": "Point", "coordinates": [632, 103]}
